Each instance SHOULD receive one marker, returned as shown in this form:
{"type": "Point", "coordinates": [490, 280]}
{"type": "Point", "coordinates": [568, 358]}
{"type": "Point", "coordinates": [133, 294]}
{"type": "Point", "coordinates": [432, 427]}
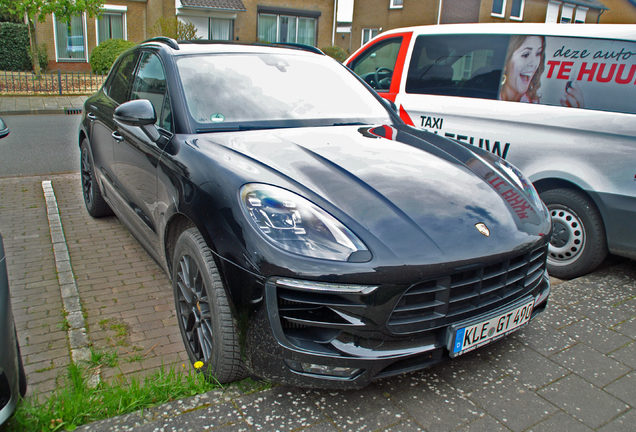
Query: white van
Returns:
{"type": "Point", "coordinates": [558, 101]}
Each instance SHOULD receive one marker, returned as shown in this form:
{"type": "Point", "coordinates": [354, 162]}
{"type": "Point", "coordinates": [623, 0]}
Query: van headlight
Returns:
{"type": "Point", "coordinates": [297, 225]}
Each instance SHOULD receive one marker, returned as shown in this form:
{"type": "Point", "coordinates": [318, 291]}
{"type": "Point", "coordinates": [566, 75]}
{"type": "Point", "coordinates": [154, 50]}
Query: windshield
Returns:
{"type": "Point", "coordinates": [274, 90]}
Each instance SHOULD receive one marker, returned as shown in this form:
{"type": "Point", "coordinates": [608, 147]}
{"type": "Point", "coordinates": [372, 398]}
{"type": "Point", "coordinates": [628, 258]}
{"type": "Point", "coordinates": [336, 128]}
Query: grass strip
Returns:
{"type": "Point", "coordinates": [76, 402]}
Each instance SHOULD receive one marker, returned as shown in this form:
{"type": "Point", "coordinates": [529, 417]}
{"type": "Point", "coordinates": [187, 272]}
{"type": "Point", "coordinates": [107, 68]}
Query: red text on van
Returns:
{"type": "Point", "coordinates": [600, 72]}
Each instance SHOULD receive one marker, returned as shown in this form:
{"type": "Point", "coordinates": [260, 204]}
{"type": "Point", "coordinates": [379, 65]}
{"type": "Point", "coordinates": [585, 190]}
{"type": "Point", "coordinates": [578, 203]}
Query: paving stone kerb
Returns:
{"type": "Point", "coordinates": [571, 369]}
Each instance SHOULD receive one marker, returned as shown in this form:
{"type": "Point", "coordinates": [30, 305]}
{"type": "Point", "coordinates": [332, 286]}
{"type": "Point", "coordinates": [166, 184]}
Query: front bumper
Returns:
{"type": "Point", "coordinates": [345, 336]}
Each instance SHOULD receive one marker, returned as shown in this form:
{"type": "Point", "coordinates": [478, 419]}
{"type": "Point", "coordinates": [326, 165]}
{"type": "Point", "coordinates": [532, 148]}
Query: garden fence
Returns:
{"type": "Point", "coordinates": [50, 82]}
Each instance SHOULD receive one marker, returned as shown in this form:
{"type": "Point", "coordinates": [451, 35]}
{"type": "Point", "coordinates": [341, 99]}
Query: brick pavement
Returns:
{"type": "Point", "coordinates": [18, 105]}
{"type": "Point", "coordinates": [571, 369]}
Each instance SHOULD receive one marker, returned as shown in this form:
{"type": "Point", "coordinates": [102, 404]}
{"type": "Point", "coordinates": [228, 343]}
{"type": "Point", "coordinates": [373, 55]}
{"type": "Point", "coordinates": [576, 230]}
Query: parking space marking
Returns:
{"type": "Point", "coordinates": [77, 335]}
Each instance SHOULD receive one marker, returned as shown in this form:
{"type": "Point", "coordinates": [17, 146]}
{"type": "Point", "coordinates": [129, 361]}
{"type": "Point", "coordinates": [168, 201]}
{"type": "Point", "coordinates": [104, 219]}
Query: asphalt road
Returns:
{"type": "Point", "coordinates": [40, 144]}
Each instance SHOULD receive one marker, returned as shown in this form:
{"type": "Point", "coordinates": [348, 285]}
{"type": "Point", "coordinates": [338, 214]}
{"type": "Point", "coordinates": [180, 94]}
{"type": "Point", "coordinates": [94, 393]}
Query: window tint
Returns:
{"type": "Point", "coordinates": [457, 65]}
{"type": "Point", "coordinates": [376, 65]}
{"type": "Point", "coordinates": [150, 83]}
{"type": "Point", "coordinates": [120, 83]}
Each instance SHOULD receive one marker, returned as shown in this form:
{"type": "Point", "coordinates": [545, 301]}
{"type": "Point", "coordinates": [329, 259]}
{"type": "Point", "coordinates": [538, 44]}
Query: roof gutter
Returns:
{"type": "Point", "coordinates": [211, 9]}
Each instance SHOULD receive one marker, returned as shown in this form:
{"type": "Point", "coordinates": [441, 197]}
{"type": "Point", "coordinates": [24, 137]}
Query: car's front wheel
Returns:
{"type": "Point", "coordinates": [93, 199]}
{"type": "Point", "coordinates": [207, 327]}
{"type": "Point", "coordinates": [578, 243]}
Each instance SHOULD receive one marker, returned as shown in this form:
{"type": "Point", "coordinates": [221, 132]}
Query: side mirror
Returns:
{"type": "Point", "coordinates": [140, 113]}
{"type": "Point", "coordinates": [4, 130]}
{"type": "Point", "coordinates": [390, 105]}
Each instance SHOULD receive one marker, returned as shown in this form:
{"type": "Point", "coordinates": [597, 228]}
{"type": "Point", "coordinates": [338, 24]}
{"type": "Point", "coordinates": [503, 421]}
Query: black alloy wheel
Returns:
{"type": "Point", "coordinates": [205, 320]}
{"type": "Point", "coordinates": [578, 244]}
{"type": "Point", "coordinates": [93, 199]}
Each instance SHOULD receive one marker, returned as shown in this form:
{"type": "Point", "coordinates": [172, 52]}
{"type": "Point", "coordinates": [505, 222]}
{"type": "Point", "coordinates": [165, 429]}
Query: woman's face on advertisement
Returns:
{"type": "Point", "coordinates": [524, 63]}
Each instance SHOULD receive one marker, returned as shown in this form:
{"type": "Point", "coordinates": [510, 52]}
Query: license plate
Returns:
{"type": "Point", "coordinates": [467, 337]}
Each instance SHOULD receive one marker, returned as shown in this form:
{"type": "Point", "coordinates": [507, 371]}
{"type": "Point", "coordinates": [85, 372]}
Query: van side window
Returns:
{"type": "Point", "coordinates": [457, 65]}
{"type": "Point", "coordinates": [377, 64]}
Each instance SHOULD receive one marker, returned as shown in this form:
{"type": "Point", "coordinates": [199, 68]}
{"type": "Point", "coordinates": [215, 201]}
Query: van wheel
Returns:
{"type": "Point", "coordinates": [205, 320]}
{"type": "Point", "coordinates": [578, 243]}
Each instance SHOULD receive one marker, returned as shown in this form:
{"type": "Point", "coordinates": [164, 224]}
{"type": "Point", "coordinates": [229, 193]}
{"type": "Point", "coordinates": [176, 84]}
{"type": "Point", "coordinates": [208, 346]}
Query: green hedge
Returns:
{"type": "Point", "coordinates": [14, 49]}
{"type": "Point", "coordinates": [336, 52]}
{"type": "Point", "coordinates": [105, 54]}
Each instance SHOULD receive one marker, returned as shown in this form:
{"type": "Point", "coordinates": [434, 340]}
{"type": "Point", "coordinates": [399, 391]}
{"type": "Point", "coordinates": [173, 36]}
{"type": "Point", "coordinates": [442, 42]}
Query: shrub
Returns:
{"type": "Point", "coordinates": [336, 52]}
{"type": "Point", "coordinates": [105, 54]}
{"type": "Point", "coordinates": [15, 47]}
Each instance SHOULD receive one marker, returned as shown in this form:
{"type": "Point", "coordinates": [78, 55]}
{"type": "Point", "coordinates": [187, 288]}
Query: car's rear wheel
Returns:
{"type": "Point", "coordinates": [93, 199]}
{"type": "Point", "coordinates": [207, 327]}
{"type": "Point", "coordinates": [578, 244]}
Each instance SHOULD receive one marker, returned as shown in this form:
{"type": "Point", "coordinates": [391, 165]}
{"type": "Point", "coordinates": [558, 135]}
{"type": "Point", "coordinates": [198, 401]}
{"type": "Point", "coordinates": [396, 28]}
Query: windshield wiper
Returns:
{"type": "Point", "coordinates": [348, 124]}
{"type": "Point", "coordinates": [241, 128]}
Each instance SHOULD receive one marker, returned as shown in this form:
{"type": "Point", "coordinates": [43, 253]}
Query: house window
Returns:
{"type": "Point", "coordinates": [567, 11]}
{"type": "Point", "coordinates": [517, 10]}
{"type": "Point", "coordinates": [396, 4]}
{"type": "Point", "coordinates": [368, 34]}
{"type": "Point", "coordinates": [112, 25]}
{"type": "Point", "coordinates": [221, 29]}
{"type": "Point", "coordinates": [498, 8]}
{"type": "Point", "coordinates": [70, 41]}
{"type": "Point", "coordinates": [580, 15]}
{"type": "Point", "coordinates": [286, 28]}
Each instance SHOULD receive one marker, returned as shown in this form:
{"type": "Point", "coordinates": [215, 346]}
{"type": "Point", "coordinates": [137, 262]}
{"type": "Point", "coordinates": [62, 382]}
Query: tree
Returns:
{"type": "Point", "coordinates": [64, 10]}
{"type": "Point", "coordinates": [173, 28]}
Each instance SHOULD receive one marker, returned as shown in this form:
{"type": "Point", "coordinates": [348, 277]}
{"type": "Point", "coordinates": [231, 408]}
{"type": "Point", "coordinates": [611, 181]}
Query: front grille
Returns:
{"type": "Point", "coordinates": [438, 302]}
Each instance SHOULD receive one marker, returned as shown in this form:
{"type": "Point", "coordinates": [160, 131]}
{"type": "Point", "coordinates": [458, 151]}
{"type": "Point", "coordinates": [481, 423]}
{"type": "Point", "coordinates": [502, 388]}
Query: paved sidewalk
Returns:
{"type": "Point", "coordinates": [572, 369]}
{"type": "Point", "coordinates": [20, 105]}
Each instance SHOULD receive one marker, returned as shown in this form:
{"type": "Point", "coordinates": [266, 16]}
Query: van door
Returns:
{"type": "Point", "coordinates": [381, 63]}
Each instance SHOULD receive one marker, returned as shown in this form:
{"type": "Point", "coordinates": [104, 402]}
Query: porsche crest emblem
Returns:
{"type": "Point", "coordinates": [482, 228]}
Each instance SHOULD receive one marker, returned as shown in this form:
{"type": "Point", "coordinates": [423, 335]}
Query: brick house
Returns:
{"type": "Point", "coordinates": [304, 21]}
{"type": "Point", "coordinates": [371, 17]}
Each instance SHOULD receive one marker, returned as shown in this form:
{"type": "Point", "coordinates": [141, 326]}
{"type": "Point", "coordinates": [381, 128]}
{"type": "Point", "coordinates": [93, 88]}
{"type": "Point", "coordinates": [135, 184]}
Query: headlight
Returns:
{"type": "Point", "coordinates": [297, 225]}
{"type": "Point", "coordinates": [520, 180]}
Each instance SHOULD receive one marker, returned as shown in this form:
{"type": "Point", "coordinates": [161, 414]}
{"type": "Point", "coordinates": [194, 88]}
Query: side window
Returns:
{"type": "Point", "coordinates": [120, 84]}
{"type": "Point", "coordinates": [150, 83]}
{"type": "Point", "coordinates": [166, 116]}
{"type": "Point", "coordinates": [457, 65]}
{"type": "Point", "coordinates": [376, 65]}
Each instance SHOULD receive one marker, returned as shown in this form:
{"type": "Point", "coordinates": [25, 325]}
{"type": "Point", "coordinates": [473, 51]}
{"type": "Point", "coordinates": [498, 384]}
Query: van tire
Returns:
{"type": "Point", "coordinates": [578, 244]}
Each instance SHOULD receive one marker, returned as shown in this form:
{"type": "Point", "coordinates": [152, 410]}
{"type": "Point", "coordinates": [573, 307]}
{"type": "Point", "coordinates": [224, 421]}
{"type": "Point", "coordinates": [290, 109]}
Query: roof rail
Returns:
{"type": "Point", "coordinates": [163, 39]}
{"type": "Point", "coordinates": [299, 46]}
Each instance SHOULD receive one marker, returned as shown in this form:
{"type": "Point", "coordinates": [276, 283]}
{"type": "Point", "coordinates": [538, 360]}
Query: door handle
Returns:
{"type": "Point", "coordinates": [91, 116]}
{"type": "Point", "coordinates": [117, 137]}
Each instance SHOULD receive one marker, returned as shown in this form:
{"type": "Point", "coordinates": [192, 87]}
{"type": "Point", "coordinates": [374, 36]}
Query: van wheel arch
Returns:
{"type": "Point", "coordinates": [579, 242]}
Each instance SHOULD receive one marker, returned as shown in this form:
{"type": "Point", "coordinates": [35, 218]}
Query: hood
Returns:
{"type": "Point", "coordinates": [401, 195]}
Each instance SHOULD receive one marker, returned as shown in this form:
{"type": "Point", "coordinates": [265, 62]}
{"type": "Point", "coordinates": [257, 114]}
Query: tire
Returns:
{"type": "Point", "coordinates": [205, 320]}
{"type": "Point", "coordinates": [22, 379]}
{"type": "Point", "coordinates": [93, 199]}
{"type": "Point", "coordinates": [578, 244]}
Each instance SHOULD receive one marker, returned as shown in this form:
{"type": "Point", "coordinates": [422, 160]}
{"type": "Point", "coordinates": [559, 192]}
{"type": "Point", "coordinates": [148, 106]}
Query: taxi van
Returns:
{"type": "Point", "coordinates": [557, 101]}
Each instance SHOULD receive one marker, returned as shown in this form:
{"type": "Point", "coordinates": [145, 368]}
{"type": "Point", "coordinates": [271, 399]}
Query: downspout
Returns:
{"type": "Point", "coordinates": [439, 12]}
{"type": "Point", "coordinates": [335, 12]}
{"type": "Point", "coordinates": [598, 19]}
